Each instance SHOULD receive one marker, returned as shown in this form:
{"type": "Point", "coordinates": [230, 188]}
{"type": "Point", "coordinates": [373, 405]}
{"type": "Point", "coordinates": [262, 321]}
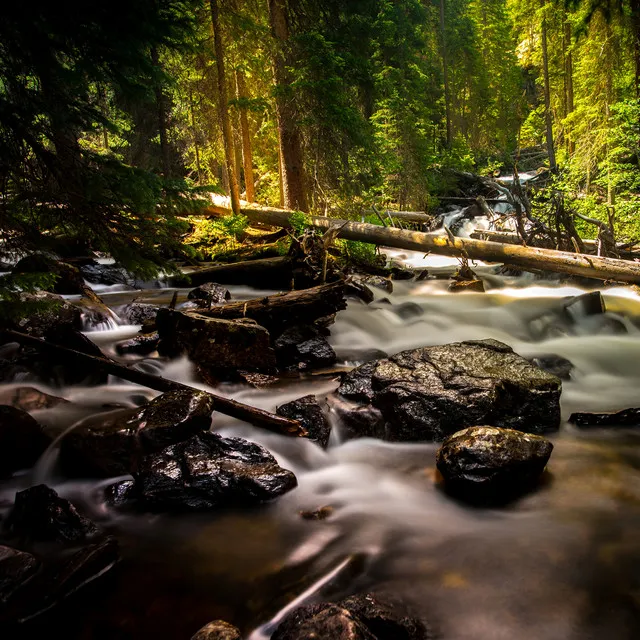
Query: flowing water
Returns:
{"type": "Point", "coordinates": [561, 564]}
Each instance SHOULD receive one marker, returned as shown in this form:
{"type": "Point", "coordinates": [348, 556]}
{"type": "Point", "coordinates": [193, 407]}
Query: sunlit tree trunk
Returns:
{"type": "Point", "coordinates": [247, 152]}
{"type": "Point", "coordinates": [445, 74]}
{"type": "Point", "coordinates": [293, 182]}
{"type": "Point", "coordinates": [568, 79]}
{"type": "Point", "coordinates": [223, 108]}
{"type": "Point", "coordinates": [547, 93]}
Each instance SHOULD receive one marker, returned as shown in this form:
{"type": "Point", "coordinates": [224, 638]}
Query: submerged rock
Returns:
{"type": "Point", "coordinates": [16, 569]}
{"type": "Point", "coordinates": [488, 465]}
{"type": "Point", "coordinates": [22, 440]}
{"type": "Point", "coordinates": [39, 514]}
{"type": "Point", "coordinates": [554, 364]}
{"type": "Point", "coordinates": [624, 418]}
{"type": "Point", "coordinates": [432, 392]}
{"type": "Point", "coordinates": [308, 411]}
{"type": "Point", "coordinates": [111, 445]}
{"type": "Point", "coordinates": [208, 472]}
{"type": "Point", "coordinates": [29, 398]}
{"type": "Point", "coordinates": [218, 630]}
{"type": "Point", "coordinates": [304, 347]}
{"type": "Point", "coordinates": [210, 293]}
{"type": "Point", "coordinates": [216, 344]}
{"type": "Point", "coordinates": [362, 617]}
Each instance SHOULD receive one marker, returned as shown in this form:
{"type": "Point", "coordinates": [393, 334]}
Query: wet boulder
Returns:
{"type": "Point", "coordinates": [361, 617]}
{"type": "Point", "coordinates": [216, 344]}
{"type": "Point", "coordinates": [39, 514]}
{"type": "Point", "coordinates": [16, 569]}
{"type": "Point", "coordinates": [209, 472]}
{"type": "Point", "coordinates": [355, 288]}
{"type": "Point", "coordinates": [22, 440]}
{"type": "Point", "coordinates": [624, 418]}
{"type": "Point", "coordinates": [139, 312]}
{"type": "Point", "coordinates": [111, 444]}
{"type": "Point", "coordinates": [69, 280]}
{"type": "Point", "coordinates": [492, 466]}
{"type": "Point", "coordinates": [309, 412]}
{"type": "Point", "coordinates": [42, 313]}
{"type": "Point", "coordinates": [142, 344]}
{"type": "Point", "coordinates": [432, 392]}
{"type": "Point", "coordinates": [218, 630]}
{"type": "Point", "coordinates": [108, 274]}
{"type": "Point", "coordinates": [379, 282]}
{"type": "Point", "coordinates": [209, 294]}
{"type": "Point", "coordinates": [476, 286]}
{"type": "Point", "coordinates": [303, 347]}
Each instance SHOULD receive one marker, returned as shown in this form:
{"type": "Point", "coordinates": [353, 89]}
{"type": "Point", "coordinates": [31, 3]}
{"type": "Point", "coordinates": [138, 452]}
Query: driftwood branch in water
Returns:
{"type": "Point", "coordinates": [257, 417]}
{"type": "Point", "coordinates": [523, 257]}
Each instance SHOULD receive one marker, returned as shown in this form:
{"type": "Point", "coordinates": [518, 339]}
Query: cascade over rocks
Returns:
{"type": "Point", "coordinates": [208, 472]}
{"type": "Point", "coordinates": [210, 293]}
{"type": "Point", "coordinates": [362, 617]}
{"type": "Point", "coordinates": [216, 344]}
{"type": "Point", "coordinates": [432, 392]}
{"type": "Point", "coordinates": [309, 412]}
{"type": "Point", "coordinates": [111, 445]}
{"type": "Point", "coordinates": [488, 465]}
{"type": "Point", "coordinates": [22, 440]}
{"type": "Point", "coordinates": [39, 514]}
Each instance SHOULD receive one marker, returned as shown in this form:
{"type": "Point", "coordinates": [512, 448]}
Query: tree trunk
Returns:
{"type": "Point", "coordinates": [445, 73]}
{"type": "Point", "coordinates": [293, 181]}
{"type": "Point", "coordinates": [161, 108]}
{"type": "Point", "coordinates": [223, 108]}
{"type": "Point", "coordinates": [547, 94]}
{"type": "Point", "coordinates": [525, 257]}
{"type": "Point", "coordinates": [635, 31]}
{"type": "Point", "coordinates": [247, 152]}
{"type": "Point", "coordinates": [568, 80]}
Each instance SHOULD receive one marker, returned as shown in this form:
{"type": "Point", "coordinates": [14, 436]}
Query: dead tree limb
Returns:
{"type": "Point", "coordinates": [257, 417]}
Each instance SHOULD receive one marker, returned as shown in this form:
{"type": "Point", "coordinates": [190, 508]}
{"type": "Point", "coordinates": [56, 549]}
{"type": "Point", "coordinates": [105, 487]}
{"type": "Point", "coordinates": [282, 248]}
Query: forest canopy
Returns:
{"type": "Point", "coordinates": [115, 118]}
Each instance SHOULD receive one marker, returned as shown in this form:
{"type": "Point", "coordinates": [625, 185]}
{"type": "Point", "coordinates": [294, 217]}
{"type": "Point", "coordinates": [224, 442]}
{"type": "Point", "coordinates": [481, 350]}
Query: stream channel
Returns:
{"type": "Point", "coordinates": [562, 563]}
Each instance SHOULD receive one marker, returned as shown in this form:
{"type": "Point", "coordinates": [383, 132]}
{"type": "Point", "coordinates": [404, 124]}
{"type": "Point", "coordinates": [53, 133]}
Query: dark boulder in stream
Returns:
{"type": "Point", "coordinates": [16, 569]}
{"type": "Point", "coordinates": [218, 630]}
{"type": "Point", "coordinates": [111, 444]}
{"type": "Point", "coordinates": [210, 293]}
{"type": "Point", "coordinates": [488, 465]}
{"type": "Point", "coordinates": [304, 347]}
{"type": "Point", "coordinates": [43, 313]}
{"type": "Point", "coordinates": [309, 412]}
{"type": "Point", "coordinates": [624, 418]}
{"type": "Point", "coordinates": [139, 312]}
{"type": "Point", "coordinates": [142, 344]}
{"type": "Point", "coordinates": [22, 440]}
{"type": "Point", "coordinates": [432, 392]}
{"type": "Point", "coordinates": [215, 344]}
{"type": "Point", "coordinates": [208, 472]}
{"type": "Point", "coordinates": [361, 617]}
{"type": "Point", "coordinates": [40, 514]}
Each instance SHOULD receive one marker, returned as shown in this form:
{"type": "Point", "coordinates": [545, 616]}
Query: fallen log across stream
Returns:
{"type": "Point", "coordinates": [577, 264]}
{"type": "Point", "coordinates": [252, 415]}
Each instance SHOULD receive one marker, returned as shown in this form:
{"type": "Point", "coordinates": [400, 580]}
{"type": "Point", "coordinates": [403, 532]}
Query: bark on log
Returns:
{"type": "Point", "coordinates": [270, 273]}
{"type": "Point", "coordinates": [257, 417]}
{"type": "Point", "coordinates": [523, 257]}
{"type": "Point", "coordinates": [286, 309]}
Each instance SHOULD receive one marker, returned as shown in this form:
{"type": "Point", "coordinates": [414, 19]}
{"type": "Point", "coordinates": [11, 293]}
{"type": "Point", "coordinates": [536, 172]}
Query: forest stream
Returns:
{"type": "Point", "coordinates": [561, 563]}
